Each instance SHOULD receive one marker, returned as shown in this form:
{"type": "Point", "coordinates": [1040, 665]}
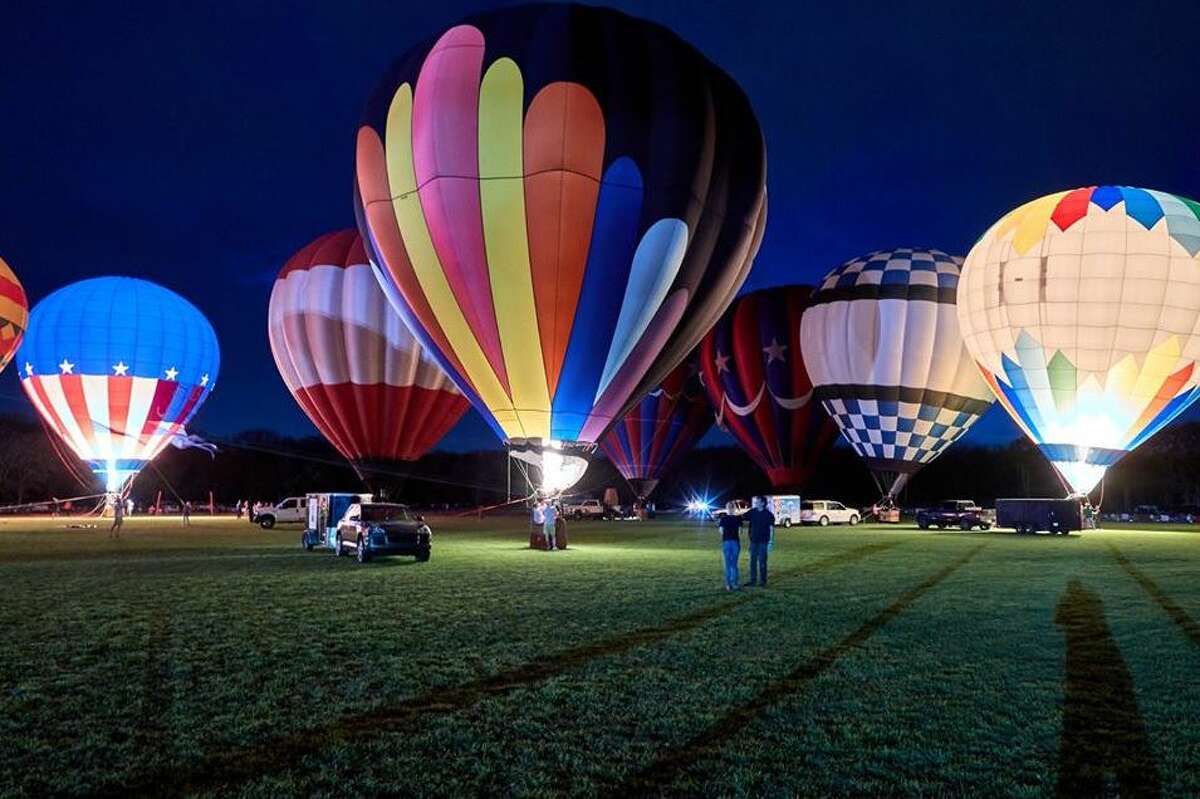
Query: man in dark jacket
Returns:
{"type": "Point", "coordinates": [762, 529]}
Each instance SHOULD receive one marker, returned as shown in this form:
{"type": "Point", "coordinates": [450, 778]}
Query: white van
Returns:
{"type": "Point", "coordinates": [826, 512]}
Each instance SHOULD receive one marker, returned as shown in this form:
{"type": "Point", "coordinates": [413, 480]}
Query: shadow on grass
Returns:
{"type": "Point", "coordinates": [1103, 732]}
{"type": "Point", "coordinates": [657, 777]}
{"type": "Point", "coordinates": [1178, 615]}
{"type": "Point", "coordinates": [224, 771]}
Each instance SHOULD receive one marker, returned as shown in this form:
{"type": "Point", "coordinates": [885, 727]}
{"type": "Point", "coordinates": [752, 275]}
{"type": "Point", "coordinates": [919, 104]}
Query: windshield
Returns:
{"type": "Point", "coordinates": [385, 513]}
{"type": "Point", "coordinates": [806, 506]}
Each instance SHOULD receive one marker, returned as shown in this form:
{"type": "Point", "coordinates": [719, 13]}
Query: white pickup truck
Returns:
{"type": "Point", "coordinates": [292, 509]}
{"type": "Point", "coordinates": [585, 509]}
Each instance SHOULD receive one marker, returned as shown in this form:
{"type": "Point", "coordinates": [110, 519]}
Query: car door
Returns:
{"type": "Point", "coordinates": [348, 526]}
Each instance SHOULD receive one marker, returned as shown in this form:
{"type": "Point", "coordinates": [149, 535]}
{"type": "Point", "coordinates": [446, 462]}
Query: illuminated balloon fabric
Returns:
{"type": "Point", "coordinates": [117, 366]}
{"type": "Point", "coordinates": [655, 434]}
{"type": "Point", "coordinates": [351, 363]}
{"type": "Point", "coordinates": [562, 200]}
{"type": "Point", "coordinates": [756, 380]}
{"type": "Point", "coordinates": [1082, 309]}
{"type": "Point", "coordinates": [14, 313]}
{"type": "Point", "coordinates": [883, 347]}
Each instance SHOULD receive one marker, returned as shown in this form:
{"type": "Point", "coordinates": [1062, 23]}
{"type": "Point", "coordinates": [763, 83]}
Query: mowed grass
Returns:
{"type": "Point", "coordinates": [222, 659]}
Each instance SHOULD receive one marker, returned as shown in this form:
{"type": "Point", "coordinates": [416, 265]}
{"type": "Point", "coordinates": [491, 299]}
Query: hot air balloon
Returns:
{"type": "Point", "coordinates": [351, 363]}
{"type": "Point", "coordinates": [14, 313]}
{"type": "Point", "coordinates": [883, 347]}
{"type": "Point", "coordinates": [656, 433]}
{"type": "Point", "coordinates": [757, 381]}
{"type": "Point", "coordinates": [1082, 309]}
{"type": "Point", "coordinates": [117, 366]}
{"type": "Point", "coordinates": [561, 200]}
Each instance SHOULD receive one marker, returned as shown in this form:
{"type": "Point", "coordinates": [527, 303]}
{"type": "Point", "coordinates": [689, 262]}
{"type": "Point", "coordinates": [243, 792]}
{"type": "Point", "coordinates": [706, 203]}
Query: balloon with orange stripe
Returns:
{"type": "Point", "coordinates": [14, 313]}
{"type": "Point", "coordinates": [560, 200]}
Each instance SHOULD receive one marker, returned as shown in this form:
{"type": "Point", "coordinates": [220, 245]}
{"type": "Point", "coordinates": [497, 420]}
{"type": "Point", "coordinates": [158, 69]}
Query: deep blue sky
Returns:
{"type": "Point", "coordinates": [200, 144]}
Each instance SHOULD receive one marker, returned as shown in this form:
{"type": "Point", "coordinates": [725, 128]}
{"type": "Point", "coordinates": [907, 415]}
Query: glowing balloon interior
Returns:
{"type": "Point", "coordinates": [14, 313]}
{"type": "Point", "coordinates": [560, 218]}
{"type": "Point", "coordinates": [1082, 309]}
{"type": "Point", "coordinates": [117, 366]}
{"type": "Point", "coordinates": [882, 343]}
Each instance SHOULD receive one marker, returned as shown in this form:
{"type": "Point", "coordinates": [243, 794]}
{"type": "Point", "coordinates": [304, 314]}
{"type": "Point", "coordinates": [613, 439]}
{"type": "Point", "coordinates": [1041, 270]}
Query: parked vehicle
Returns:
{"type": "Point", "coordinates": [287, 511]}
{"type": "Point", "coordinates": [586, 509]}
{"type": "Point", "coordinates": [325, 511]}
{"type": "Point", "coordinates": [786, 508]}
{"type": "Point", "coordinates": [824, 512]}
{"type": "Point", "coordinates": [740, 507]}
{"type": "Point", "coordinates": [373, 529]}
{"type": "Point", "coordinates": [961, 513]}
{"type": "Point", "coordinates": [1031, 515]}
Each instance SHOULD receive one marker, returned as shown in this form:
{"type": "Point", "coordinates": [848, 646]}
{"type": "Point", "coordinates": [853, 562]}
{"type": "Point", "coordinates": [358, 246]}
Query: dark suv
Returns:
{"type": "Point", "coordinates": [961, 513]}
{"type": "Point", "coordinates": [382, 528]}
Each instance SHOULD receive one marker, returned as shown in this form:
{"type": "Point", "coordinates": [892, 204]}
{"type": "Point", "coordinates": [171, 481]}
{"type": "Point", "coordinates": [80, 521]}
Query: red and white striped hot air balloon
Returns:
{"type": "Point", "coordinates": [351, 363]}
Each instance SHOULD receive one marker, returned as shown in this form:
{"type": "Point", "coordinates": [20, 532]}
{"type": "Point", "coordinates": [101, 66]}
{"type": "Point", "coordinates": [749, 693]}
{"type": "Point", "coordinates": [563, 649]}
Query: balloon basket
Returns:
{"type": "Point", "coordinates": [889, 516]}
{"type": "Point", "coordinates": [537, 538]}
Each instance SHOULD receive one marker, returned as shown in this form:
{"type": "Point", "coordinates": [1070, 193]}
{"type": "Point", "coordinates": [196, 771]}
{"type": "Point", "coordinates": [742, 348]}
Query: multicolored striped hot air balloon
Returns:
{"type": "Point", "coordinates": [654, 435]}
{"type": "Point", "coordinates": [1082, 309]}
{"type": "Point", "coordinates": [757, 381]}
{"type": "Point", "coordinates": [117, 366]}
{"type": "Point", "coordinates": [883, 347]}
{"type": "Point", "coordinates": [351, 363]}
{"type": "Point", "coordinates": [14, 313]}
{"type": "Point", "coordinates": [561, 200]}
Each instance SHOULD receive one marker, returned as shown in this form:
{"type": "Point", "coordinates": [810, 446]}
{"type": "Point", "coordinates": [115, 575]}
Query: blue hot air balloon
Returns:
{"type": "Point", "coordinates": [117, 366]}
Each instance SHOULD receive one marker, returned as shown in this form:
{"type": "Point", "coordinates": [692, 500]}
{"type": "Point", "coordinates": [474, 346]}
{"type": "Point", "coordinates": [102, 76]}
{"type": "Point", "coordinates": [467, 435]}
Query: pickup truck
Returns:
{"type": "Point", "coordinates": [587, 509]}
{"type": "Point", "coordinates": [961, 513]}
{"type": "Point", "coordinates": [292, 509]}
{"type": "Point", "coordinates": [739, 508]}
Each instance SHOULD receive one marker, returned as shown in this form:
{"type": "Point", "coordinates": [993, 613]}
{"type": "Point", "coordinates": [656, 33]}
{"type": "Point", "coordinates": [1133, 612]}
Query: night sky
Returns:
{"type": "Point", "coordinates": [199, 145]}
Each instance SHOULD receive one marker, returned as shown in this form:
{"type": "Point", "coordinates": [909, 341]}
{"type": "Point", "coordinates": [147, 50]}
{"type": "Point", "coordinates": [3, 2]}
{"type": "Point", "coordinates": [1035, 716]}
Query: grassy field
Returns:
{"type": "Point", "coordinates": [223, 659]}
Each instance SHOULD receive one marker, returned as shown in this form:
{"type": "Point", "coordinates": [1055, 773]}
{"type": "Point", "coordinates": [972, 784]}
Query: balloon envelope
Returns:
{"type": "Point", "coordinates": [561, 200]}
{"type": "Point", "coordinates": [1082, 309]}
{"type": "Point", "coordinates": [14, 313]}
{"type": "Point", "coordinates": [757, 381]}
{"type": "Point", "coordinates": [352, 364]}
{"type": "Point", "coordinates": [882, 343]}
{"type": "Point", "coordinates": [117, 366]}
{"type": "Point", "coordinates": [654, 435]}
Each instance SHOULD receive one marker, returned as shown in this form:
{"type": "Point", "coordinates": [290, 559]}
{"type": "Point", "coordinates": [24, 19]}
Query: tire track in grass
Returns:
{"type": "Point", "coordinates": [1182, 619]}
{"type": "Point", "coordinates": [657, 776]}
{"type": "Point", "coordinates": [151, 734]}
{"type": "Point", "coordinates": [225, 771]}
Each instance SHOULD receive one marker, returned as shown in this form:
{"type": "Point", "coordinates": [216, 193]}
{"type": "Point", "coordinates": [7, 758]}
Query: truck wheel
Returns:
{"type": "Point", "coordinates": [266, 522]}
{"type": "Point", "coordinates": [304, 542]}
{"type": "Point", "coordinates": [361, 554]}
{"type": "Point", "coordinates": [823, 521]}
{"type": "Point", "coordinates": [337, 547]}
{"type": "Point", "coordinates": [853, 519]}
{"type": "Point", "coordinates": [787, 521]}
{"type": "Point", "coordinates": [922, 525]}
{"type": "Point", "coordinates": [966, 526]}
{"type": "Point", "coordinates": [422, 555]}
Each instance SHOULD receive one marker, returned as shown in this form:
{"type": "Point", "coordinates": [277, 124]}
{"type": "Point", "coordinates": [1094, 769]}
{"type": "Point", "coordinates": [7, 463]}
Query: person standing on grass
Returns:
{"type": "Point", "coordinates": [549, 519]}
{"type": "Point", "coordinates": [118, 507]}
{"type": "Point", "coordinates": [762, 532]}
{"type": "Point", "coordinates": [187, 514]}
{"type": "Point", "coordinates": [731, 546]}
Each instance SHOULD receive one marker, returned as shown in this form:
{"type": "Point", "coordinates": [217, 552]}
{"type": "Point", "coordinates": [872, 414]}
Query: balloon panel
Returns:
{"type": "Point", "coordinates": [117, 367]}
{"type": "Point", "coordinates": [14, 313]}
{"type": "Point", "coordinates": [653, 436]}
{"type": "Point", "coordinates": [1082, 309]}
{"type": "Point", "coordinates": [560, 224]}
{"type": "Point", "coordinates": [758, 383]}
{"type": "Point", "coordinates": [882, 343]}
{"type": "Point", "coordinates": [350, 361]}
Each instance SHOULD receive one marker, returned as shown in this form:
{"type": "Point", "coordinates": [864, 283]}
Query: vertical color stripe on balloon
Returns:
{"type": "Point", "coordinates": [424, 258]}
{"type": "Point", "coordinates": [655, 264]}
{"type": "Point", "coordinates": [564, 155]}
{"type": "Point", "coordinates": [95, 396]}
{"type": "Point", "coordinates": [618, 211]}
{"type": "Point", "coordinates": [502, 198]}
{"type": "Point", "coordinates": [445, 136]}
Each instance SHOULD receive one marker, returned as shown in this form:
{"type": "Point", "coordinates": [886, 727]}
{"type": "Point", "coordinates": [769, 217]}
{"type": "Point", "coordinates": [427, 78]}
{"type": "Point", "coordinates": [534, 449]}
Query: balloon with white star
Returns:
{"type": "Point", "coordinates": [117, 366]}
{"type": "Point", "coordinates": [882, 344]}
